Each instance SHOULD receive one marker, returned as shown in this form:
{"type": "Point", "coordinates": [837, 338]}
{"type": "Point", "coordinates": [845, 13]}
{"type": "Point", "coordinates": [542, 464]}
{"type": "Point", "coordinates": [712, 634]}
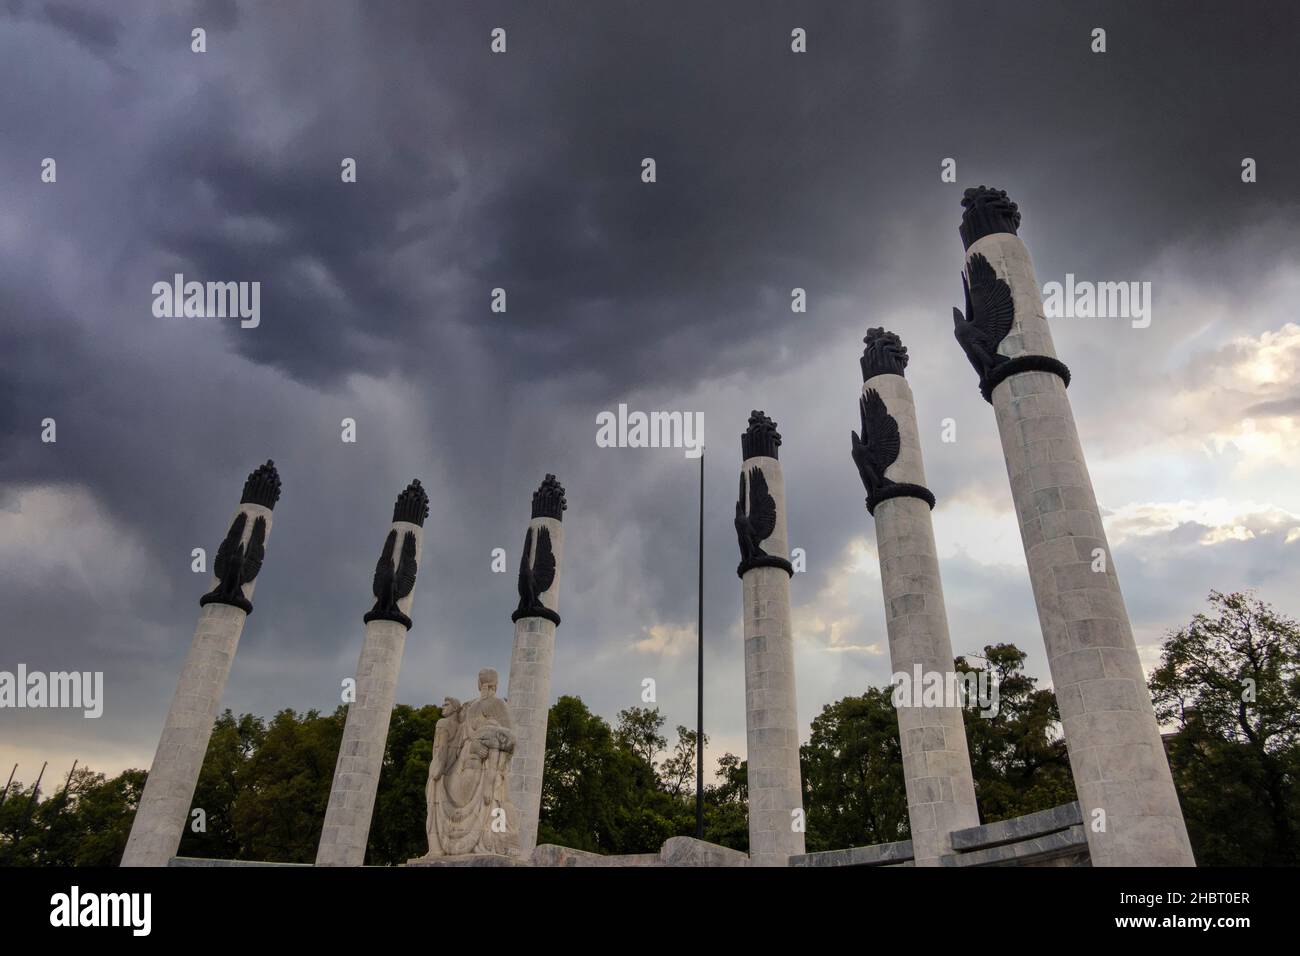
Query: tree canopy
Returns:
{"type": "Point", "coordinates": [1230, 680]}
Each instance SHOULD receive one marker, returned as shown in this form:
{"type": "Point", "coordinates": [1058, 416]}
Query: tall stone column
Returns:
{"type": "Point", "coordinates": [771, 717]}
{"type": "Point", "coordinates": [1130, 809]}
{"type": "Point", "coordinates": [365, 734]}
{"type": "Point", "coordinates": [936, 762]}
{"type": "Point", "coordinates": [169, 790]}
{"type": "Point", "coordinates": [529, 692]}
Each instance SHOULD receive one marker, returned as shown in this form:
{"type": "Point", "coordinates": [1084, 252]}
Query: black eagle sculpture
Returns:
{"type": "Point", "coordinates": [990, 312]}
{"type": "Point", "coordinates": [393, 581]}
{"type": "Point", "coordinates": [536, 576]}
{"type": "Point", "coordinates": [878, 446]}
{"type": "Point", "coordinates": [756, 525]}
{"type": "Point", "coordinates": [237, 564]}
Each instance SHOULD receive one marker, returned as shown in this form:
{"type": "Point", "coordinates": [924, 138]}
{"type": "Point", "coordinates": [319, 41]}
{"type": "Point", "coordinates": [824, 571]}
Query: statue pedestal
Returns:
{"type": "Point", "coordinates": [469, 859]}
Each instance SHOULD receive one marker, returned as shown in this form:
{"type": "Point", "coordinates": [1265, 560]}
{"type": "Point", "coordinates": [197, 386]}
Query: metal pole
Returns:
{"type": "Point", "coordinates": [68, 784]}
{"type": "Point", "coordinates": [63, 803]}
{"type": "Point", "coordinates": [8, 783]}
{"type": "Point", "coordinates": [699, 640]}
{"type": "Point", "coordinates": [22, 830]}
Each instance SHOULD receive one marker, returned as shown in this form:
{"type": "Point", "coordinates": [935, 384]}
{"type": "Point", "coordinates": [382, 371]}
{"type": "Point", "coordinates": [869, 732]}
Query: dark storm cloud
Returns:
{"type": "Point", "coordinates": [521, 171]}
{"type": "Point", "coordinates": [96, 29]}
{"type": "Point", "coordinates": [791, 161]}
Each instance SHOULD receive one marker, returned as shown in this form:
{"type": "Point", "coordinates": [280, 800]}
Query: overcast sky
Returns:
{"type": "Point", "coordinates": [522, 170]}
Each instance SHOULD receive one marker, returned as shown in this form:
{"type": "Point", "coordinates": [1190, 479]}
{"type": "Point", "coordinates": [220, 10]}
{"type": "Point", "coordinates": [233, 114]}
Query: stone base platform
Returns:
{"type": "Point", "coordinates": [469, 859]}
{"type": "Point", "coordinates": [1048, 838]}
{"type": "Point", "coordinates": [678, 851]}
{"type": "Point", "coordinates": [1052, 837]}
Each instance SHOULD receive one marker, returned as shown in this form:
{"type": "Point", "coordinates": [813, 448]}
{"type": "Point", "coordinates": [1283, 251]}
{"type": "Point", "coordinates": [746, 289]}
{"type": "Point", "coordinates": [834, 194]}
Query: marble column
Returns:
{"type": "Point", "coordinates": [936, 762]}
{"type": "Point", "coordinates": [1130, 808]}
{"type": "Point", "coordinates": [165, 804]}
{"type": "Point", "coordinates": [529, 692]}
{"type": "Point", "coordinates": [346, 831]}
{"type": "Point", "coordinates": [776, 830]}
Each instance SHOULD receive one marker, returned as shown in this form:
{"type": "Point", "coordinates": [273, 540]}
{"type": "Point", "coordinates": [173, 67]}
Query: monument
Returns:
{"type": "Point", "coordinates": [485, 776]}
{"type": "Point", "coordinates": [365, 734]}
{"type": "Point", "coordinates": [936, 762]}
{"type": "Point", "coordinates": [535, 620]}
{"type": "Point", "coordinates": [468, 805]}
{"type": "Point", "coordinates": [1130, 808]}
{"type": "Point", "coordinates": [174, 773]}
{"type": "Point", "coordinates": [776, 830]}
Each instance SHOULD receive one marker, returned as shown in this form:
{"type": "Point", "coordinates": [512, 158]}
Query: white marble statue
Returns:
{"type": "Point", "coordinates": [469, 811]}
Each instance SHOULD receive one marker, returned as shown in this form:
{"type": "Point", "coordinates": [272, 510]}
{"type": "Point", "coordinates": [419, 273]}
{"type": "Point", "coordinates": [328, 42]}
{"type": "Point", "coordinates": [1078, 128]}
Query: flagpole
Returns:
{"type": "Point", "coordinates": [699, 675]}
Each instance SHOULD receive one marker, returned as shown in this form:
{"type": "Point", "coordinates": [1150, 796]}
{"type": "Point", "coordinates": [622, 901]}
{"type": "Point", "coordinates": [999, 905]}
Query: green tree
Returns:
{"type": "Point", "coordinates": [726, 805]}
{"type": "Point", "coordinates": [280, 806]}
{"type": "Point", "coordinates": [85, 825]}
{"type": "Point", "coordinates": [589, 782]}
{"type": "Point", "coordinates": [678, 771]}
{"type": "Point", "coordinates": [852, 770]}
{"type": "Point", "coordinates": [22, 835]}
{"type": "Point", "coordinates": [638, 730]}
{"type": "Point", "coordinates": [230, 750]}
{"type": "Point", "coordinates": [1230, 680]}
{"type": "Point", "coordinates": [1018, 755]}
{"type": "Point", "coordinates": [733, 779]}
{"type": "Point", "coordinates": [104, 813]}
{"type": "Point", "coordinates": [397, 830]}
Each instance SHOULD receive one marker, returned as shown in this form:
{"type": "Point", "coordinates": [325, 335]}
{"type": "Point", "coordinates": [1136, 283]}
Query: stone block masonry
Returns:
{"type": "Point", "coordinates": [346, 830]}
{"type": "Point", "coordinates": [776, 825]}
{"type": "Point", "coordinates": [533, 654]}
{"type": "Point", "coordinates": [1130, 810]}
{"type": "Point", "coordinates": [936, 761]}
{"type": "Point", "coordinates": [165, 804]}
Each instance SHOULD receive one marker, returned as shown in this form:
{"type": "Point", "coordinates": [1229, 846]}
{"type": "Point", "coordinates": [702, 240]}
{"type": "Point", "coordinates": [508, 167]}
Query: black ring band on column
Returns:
{"type": "Point", "coordinates": [543, 612]}
{"type": "Point", "coordinates": [397, 617]}
{"type": "Point", "coordinates": [765, 561]}
{"type": "Point", "coordinates": [1022, 363]}
{"type": "Point", "coordinates": [238, 601]}
{"type": "Point", "coordinates": [899, 489]}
